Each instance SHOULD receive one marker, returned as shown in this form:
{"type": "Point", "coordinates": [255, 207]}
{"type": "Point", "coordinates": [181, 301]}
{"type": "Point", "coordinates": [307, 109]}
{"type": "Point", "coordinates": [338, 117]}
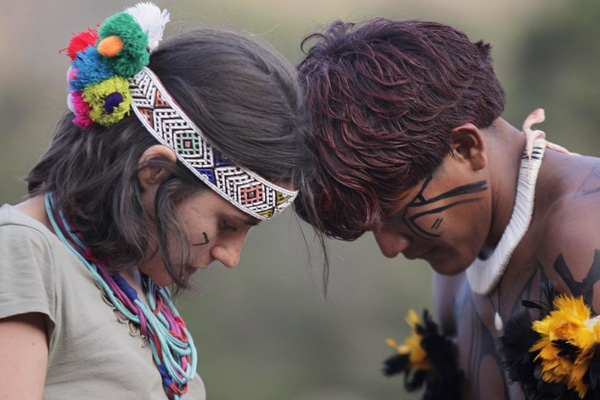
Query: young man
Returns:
{"type": "Point", "coordinates": [409, 143]}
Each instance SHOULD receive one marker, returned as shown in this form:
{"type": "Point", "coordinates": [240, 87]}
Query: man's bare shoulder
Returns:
{"type": "Point", "coordinates": [570, 214]}
{"type": "Point", "coordinates": [568, 227]}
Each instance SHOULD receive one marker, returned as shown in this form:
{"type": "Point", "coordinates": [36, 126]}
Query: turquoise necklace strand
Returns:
{"type": "Point", "coordinates": [172, 346]}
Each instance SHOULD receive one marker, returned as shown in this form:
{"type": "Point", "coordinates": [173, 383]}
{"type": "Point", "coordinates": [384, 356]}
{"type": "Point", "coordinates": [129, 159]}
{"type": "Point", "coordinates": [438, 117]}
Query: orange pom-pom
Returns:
{"type": "Point", "coordinates": [80, 42]}
{"type": "Point", "coordinates": [110, 46]}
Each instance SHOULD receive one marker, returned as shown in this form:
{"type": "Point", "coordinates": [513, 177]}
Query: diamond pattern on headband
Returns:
{"type": "Point", "coordinates": [169, 124]}
{"type": "Point", "coordinates": [187, 144]}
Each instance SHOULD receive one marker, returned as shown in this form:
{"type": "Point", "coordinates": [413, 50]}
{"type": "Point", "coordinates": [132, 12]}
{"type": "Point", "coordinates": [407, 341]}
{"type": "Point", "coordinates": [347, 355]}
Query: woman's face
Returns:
{"type": "Point", "coordinates": [216, 230]}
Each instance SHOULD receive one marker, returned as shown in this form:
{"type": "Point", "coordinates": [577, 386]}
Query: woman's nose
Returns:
{"type": "Point", "coordinates": [228, 252]}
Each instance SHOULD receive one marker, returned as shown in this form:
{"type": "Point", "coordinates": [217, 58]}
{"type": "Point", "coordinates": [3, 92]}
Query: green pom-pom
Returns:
{"type": "Point", "coordinates": [95, 95]}
{"type": "Point", "coordinates": [134, 55]}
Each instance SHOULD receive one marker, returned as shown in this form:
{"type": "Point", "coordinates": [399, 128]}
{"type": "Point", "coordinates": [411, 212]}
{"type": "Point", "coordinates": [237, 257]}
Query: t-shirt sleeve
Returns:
{"type": "Point", "coordinates": [27, 278]}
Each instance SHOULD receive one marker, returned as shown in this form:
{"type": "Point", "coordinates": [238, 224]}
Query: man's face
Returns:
{"type": "Point", "coordinates": [445, 219]}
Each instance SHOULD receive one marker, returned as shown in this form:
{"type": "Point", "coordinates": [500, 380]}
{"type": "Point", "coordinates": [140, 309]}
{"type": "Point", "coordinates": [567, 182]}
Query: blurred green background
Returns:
{"type": "Point", "coordinates": [264, 330]}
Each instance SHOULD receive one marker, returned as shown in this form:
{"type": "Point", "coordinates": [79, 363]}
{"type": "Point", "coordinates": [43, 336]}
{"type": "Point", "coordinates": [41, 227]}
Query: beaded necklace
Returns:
{"type": "Point", "coordinates": [173, 349]}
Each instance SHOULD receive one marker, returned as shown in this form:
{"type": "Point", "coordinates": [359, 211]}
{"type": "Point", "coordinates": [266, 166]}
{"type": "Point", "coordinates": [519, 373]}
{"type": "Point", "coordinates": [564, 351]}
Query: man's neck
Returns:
{"type": "Point", "coordinates": [505, 145]}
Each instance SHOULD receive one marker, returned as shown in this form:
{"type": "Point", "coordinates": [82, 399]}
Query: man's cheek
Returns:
{"type": "Point", "coordinates": [428, 224]}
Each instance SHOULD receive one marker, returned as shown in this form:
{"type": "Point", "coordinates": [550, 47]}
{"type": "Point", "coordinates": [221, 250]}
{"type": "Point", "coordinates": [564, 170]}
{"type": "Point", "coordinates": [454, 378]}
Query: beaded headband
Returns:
{"type": "Point", "coordinates": [108, 77]}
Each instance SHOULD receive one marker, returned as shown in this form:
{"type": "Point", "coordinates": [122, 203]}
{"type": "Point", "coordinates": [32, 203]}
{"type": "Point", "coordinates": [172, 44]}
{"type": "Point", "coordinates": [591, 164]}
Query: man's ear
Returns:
{"type": "Point", "coordinates": [468, 144]}
{"type": "Point", "coordinates": [151, 177]}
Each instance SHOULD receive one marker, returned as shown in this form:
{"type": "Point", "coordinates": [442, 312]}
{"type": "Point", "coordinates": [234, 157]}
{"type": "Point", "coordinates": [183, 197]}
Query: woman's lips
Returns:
{"type": "Point", "coordinates": [191, 270]}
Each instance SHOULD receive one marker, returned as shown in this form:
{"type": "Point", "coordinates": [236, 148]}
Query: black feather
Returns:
{"type": "Point", "coordinates": [519, 337]}
{"type": "Point", "coordinates": [443, 380]}
{"type": "Point", "coordinates": [395, 364]}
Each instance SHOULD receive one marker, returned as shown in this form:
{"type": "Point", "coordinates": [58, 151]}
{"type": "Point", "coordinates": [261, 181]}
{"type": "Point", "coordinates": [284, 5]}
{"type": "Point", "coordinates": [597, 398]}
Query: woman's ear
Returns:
{"type": "Point", "coordinates": [151, 177]}
{"type": "Point", "coordinates": [468, 144]}
{"type": "Point", "coordinates": [154, 175]}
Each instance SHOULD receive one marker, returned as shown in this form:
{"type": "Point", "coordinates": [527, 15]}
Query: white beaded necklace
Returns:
{"type": "Point", "coordinates": [484, 275]}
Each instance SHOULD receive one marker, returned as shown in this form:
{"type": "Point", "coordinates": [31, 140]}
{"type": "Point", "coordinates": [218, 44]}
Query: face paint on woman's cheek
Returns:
{"type": "Point", "coordinates": [205, 241]}
{"type": "Point", "coordinates": [424, 216]}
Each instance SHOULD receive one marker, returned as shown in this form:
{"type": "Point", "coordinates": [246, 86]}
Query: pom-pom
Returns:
{"type": "Point", "coordinates": [96, 96]}
{"type": "Point", "coordinates": [112, 101]}
{"type": "Point", "coordinates": [81, 110]}
{"type": "Point", "coordinates": [152, 21]}
{"type": "Point", "coordinates": [110, 46]}
{"type": "Point", "coordinates": [70, 104]}
{"type": "Point", "coordinates": [71, 74]}
{"type": "Point", "coordinates": [89, 70]}
{"type": "Point", "coordinates": [80, 42]}
{"type": "Point", "coordinates": [134, 56]}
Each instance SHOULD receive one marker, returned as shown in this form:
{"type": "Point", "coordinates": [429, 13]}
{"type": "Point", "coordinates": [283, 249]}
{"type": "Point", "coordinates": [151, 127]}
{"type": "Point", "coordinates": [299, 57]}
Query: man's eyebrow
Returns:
{"type": "Point", "coordinates": [397, 216]}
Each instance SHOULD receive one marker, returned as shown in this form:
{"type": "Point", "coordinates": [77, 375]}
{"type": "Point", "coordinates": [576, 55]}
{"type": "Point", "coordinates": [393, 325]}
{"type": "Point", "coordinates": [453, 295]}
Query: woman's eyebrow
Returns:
{"type": "Point", "coordinates": [249, 221]}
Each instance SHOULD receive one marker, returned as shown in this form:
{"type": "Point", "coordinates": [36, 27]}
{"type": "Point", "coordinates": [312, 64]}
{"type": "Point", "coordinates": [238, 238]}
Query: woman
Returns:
{"type": "Point", "coordinates": [154, 173]}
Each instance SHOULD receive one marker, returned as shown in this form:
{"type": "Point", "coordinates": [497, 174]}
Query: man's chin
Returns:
{"type": "Point", "coordinates": [447, 268]}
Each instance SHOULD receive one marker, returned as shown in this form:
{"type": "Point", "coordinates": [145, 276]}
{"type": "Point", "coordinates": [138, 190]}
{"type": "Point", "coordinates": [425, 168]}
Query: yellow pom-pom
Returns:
{"type": "Point", "coordinates": [110, 46]}
{"type": "Point", "coordinates": [104, 110]}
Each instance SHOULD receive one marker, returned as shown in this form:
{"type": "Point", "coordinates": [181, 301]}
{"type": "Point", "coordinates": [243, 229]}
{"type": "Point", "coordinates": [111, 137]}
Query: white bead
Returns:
{"type": "Point", "coordinates": [498, 322]}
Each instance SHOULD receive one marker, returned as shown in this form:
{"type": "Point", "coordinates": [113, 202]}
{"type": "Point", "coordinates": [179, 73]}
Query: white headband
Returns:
{"type": "Point", "coordinates": [170, 125]}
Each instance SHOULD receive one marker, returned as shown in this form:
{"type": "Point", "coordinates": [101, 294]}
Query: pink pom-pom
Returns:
{"type": "Point", "coordinates": [72, 74]}
{"type": "Point", "coordinates": [82, 110]}
{"type": "Point", "coordinates": [81, 42]}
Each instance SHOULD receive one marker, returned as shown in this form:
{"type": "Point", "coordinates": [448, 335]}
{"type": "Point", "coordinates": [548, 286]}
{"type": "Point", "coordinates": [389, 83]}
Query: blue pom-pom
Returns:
{"type": "Point", "coordinates": [112, 101]}
{"type": "Point", "coordinates": [90, 69]}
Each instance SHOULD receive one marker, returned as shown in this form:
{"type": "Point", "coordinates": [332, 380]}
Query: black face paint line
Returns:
{"type": "Point", "coordinates": [584, 288]}
{"type": "Point", "coordinates": [479, 347]}
{"type": "Point", "coordinates": [591, 184]}
{"type": "Point", "coordinates": [419, 201]}
{"type": "Point", "coordinates": [206, 241]}
{"type": "Point", "coordinates": [437, 223]}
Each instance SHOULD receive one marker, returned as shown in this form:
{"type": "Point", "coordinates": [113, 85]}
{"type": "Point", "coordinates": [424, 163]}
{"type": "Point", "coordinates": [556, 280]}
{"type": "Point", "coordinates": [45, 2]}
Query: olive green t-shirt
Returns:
{"type": "Point", "coordinates": [93, 352]}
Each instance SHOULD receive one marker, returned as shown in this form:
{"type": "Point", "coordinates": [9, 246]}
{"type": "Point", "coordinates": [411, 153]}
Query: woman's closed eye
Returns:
{"type": "Point", "coordinates": [228, 227]}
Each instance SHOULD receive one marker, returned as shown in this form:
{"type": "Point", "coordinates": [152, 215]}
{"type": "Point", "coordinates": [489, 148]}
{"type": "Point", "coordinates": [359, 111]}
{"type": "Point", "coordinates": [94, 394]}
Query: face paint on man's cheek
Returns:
{"type": "Point", "coordinates": [424, 216]}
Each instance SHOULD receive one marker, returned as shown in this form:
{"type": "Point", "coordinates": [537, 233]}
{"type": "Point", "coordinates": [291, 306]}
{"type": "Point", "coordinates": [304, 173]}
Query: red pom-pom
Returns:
{"type": "Point", "coordinates": [80, 42]}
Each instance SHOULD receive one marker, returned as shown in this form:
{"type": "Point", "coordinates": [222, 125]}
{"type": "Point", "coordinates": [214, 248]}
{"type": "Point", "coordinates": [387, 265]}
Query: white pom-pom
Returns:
{"type": "Point", "coordinates": [70, 104]}
{"type": "Point", "coordinates": [152, 20]}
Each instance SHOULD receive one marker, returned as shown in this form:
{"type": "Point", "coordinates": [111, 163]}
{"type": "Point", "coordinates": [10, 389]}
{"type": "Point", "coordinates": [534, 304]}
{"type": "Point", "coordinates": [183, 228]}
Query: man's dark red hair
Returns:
{"type": "Point", "coordinates": [383, 99]}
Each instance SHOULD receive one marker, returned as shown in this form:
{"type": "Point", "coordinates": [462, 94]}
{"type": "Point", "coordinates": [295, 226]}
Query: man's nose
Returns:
{"type": "Point", "coordinates": [391, 243]}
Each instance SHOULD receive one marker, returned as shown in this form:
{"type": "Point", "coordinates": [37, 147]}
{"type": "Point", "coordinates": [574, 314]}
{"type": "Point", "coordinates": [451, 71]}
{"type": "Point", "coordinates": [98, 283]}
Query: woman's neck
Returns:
{"type": "Point", "coordinates": [36, 209]}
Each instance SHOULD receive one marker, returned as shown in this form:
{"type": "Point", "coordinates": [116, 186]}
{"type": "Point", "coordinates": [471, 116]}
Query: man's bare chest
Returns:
{"type": "Point", "coordinates": [478, 324]}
